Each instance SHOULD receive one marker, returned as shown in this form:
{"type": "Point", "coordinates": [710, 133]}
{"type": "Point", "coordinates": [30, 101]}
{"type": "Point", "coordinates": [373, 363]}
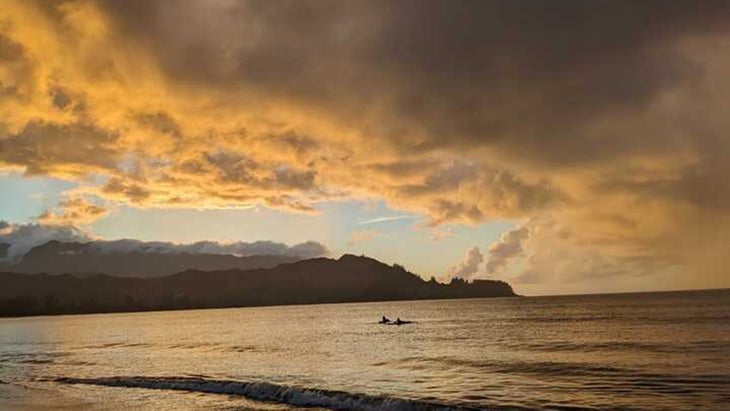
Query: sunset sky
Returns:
{"type": "Point", "coordinates": [562, 146]}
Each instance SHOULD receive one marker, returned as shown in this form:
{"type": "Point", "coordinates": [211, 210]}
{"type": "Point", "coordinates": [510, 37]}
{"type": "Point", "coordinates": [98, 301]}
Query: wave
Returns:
{"type": "Point", "coordinates": [583, 376]}
{"type": "Point", "coordinates": [625, 346]}
{"type": "Point", "coordinates": [269, 392]}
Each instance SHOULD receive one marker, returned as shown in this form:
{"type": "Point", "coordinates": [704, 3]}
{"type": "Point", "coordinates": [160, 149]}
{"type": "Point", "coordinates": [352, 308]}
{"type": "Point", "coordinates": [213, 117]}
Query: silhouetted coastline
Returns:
{"type": "Point", "coordinates": [321, 280]}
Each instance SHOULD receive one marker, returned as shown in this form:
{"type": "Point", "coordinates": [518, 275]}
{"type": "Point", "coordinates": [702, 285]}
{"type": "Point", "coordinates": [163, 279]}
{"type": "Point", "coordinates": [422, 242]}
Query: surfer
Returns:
{"type": "Point", "coordinates": [385, 320]}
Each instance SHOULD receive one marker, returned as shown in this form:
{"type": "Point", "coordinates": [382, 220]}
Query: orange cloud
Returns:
{"type": "Point", "coordinates": [72, 212]}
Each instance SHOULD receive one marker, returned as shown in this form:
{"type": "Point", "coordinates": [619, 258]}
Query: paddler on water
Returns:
{"type": "Point", "coordinates": [385, 320]}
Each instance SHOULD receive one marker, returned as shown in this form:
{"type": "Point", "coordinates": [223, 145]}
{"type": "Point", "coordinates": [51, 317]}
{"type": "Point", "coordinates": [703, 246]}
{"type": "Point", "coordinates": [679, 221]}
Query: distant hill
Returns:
{"type": "Point", "coordinates": [55, 257]}
{"type": "Point", "coordinates": [319, 280]}
{"type": "Point", "coordinates": [4, 247]}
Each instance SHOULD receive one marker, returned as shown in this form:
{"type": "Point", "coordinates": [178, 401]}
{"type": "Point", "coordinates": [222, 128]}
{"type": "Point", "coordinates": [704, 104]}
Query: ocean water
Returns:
{"type": "Point", "coordinates": [649, 351]}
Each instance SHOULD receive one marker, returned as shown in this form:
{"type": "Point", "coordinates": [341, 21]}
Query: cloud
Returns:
{"type": "Point", "coordinates": [129, 191]}
{"type": "Point", "coordinates": [590, 115]}
{"type": "Point", "coordinates": [386, 219]}
{"type": "Point", "coordinates": [359, 236]}
{"type": "Point", "coordinates": [469, 267]}
{"type": "Point", "coordinates": [509, 246]}
{"type": "Point", "coordinates": [439, 233]}
{"type": "Point", "coordinates": [309, 249]}
{"type": "Point", "coordinates": [73, 211]}
{"type": "Point", "coordinates": [22, 237]}
{"type": "Point", "coordinates": [464, 191]}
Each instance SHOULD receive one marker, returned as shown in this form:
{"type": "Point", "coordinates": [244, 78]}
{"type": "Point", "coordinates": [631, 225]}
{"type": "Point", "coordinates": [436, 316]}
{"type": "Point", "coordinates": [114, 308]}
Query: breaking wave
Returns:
{"type": "Point", "coordinates": [264, 391]}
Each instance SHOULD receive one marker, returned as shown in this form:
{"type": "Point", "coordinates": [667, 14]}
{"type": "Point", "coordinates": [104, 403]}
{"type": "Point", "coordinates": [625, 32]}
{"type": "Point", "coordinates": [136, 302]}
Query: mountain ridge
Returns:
{"type": "Point", "coordinates": [319, 280]}
{"type": "Point", "coordinates": [58, 257]}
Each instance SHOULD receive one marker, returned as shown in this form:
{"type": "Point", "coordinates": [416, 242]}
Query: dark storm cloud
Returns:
{"type": "Point", "coordinates": [516, 75]}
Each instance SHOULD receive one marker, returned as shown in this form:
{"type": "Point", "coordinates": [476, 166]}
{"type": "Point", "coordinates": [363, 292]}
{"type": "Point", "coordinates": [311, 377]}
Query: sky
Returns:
{"type": "Point", "coordinates": [562, 146]}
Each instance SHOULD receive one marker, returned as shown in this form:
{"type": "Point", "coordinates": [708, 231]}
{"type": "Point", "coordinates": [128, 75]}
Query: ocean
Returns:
{"type": "Point", "coordinates": [641, 351]}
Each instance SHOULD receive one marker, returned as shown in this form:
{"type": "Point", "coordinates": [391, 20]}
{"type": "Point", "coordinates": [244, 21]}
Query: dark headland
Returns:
{"type": "Point", "coordinates": [320, 280]}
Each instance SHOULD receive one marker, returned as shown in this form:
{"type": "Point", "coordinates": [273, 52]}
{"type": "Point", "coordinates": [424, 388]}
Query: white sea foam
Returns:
{"type": "Point", "coordinates": [264, 391]}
